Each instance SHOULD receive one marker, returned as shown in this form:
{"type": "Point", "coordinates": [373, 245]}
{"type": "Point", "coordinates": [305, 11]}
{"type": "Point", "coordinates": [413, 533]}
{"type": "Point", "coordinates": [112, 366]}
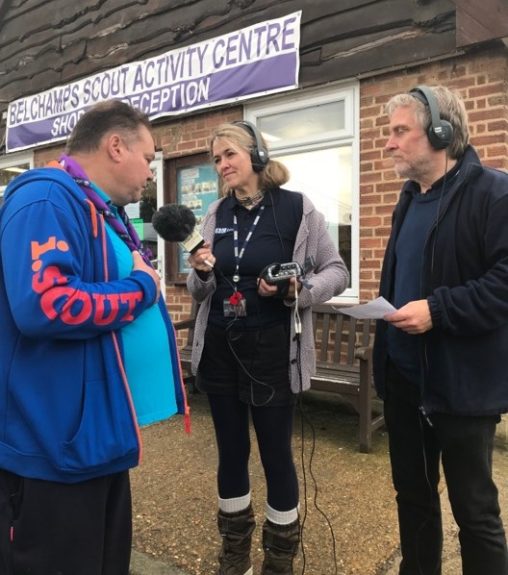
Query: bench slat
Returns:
{"type": "Point", "coordinates": [339, 319]}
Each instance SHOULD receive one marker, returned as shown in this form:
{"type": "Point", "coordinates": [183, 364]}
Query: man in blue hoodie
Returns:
{"type": "Point", "coordinates": [440, 359]}
{"type": "Point", "coordinates": [87, 351]}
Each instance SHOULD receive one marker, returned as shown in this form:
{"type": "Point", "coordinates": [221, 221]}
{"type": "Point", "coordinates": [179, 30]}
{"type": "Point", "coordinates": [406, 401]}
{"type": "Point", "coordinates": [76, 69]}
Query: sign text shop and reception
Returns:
{"type": "Point", "coordinates": [260, 59]}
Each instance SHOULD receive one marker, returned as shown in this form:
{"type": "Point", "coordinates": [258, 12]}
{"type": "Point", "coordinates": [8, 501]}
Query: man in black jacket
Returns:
{"type": "Point", "coordinates": [440, 359]}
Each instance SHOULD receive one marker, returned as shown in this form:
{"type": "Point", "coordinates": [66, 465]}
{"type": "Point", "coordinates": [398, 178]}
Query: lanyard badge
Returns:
{"type": "Point", "coordinates": [235, 305]}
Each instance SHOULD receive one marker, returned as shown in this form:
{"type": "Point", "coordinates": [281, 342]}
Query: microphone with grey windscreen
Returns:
{"type": "Point", "coordinates": [177, 223]}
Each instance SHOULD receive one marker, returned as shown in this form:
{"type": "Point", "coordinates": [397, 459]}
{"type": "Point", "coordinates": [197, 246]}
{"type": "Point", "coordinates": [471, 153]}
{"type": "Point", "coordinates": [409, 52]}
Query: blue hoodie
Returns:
{"type": "Point", "coordinates": [66, 412]}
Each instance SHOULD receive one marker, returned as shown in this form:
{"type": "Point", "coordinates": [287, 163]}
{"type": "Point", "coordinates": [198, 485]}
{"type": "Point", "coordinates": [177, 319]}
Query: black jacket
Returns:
{"type": "Point", "coordinates": [464, 357]}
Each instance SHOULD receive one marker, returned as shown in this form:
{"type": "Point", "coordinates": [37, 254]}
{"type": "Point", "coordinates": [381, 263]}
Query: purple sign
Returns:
{"type": "Point", "coordinates": [258, 60]}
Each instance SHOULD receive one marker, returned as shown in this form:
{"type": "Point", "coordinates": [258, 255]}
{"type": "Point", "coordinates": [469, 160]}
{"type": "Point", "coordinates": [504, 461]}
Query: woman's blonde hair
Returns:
{"type": "Point", "coordinates": [273, 175]}
{"type": "Point", "coordinates": [451, 108]}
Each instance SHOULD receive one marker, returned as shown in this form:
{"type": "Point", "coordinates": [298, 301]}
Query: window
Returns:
{"type": "Point", "coordinates": [316, 135]}
{"type": "Point", "coordinates": [11, 166]}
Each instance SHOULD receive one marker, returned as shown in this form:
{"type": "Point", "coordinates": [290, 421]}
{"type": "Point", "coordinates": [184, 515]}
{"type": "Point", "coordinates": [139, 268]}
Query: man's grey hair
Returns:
{"type": "Point", "coordinates": [451, 108]}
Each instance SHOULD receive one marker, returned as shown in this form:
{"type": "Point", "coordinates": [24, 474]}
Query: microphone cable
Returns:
{"type": "Point", "coordinates": [244, 368]}
{"type": "Point", "coordinates": [305, 419]}
{"type": "Point", "coordinates": [229, 340]}
{"type": "Point", "coordinates": [422, 421]}
{"type": "Point", "coordinates": [422, 417]}
{"type": "Point", "coordinates": [441, 194]}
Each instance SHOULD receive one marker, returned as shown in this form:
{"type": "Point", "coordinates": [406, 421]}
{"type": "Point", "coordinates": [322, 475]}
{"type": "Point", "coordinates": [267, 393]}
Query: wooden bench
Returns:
{"type": "Point", "coordinates": [344, 363]}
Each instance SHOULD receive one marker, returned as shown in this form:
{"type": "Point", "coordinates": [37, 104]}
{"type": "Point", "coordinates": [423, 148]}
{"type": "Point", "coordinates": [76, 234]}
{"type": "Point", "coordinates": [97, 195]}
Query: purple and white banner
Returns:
{"type": "Point", "coordinates": [258, 60]}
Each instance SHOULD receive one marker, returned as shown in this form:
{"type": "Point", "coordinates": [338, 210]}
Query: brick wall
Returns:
{"type": "Point", "coordinates": [188, 135]}
{"type": "Point", "coordinates": [482, 80]}
{"type": "Point", "coordinates": [179, 303]}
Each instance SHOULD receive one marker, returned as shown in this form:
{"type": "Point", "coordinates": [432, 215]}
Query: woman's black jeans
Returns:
{"type": "Point", "coordinates": [464, 446]}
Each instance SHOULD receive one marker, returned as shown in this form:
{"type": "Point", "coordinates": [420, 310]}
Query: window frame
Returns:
{"type": "Point", "coordinates": [13, 161]}
{"type": "Point", "coordinates": [349, 93]}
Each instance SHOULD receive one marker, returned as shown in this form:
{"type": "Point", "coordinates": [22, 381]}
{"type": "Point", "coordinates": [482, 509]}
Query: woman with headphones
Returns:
{"type": "Point", "coordinates": [247, 354]}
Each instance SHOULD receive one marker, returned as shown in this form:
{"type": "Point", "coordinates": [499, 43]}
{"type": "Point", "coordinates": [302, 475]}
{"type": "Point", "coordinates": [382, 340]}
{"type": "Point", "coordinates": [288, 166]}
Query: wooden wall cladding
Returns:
{"type": "Point", "coordinates": [475, 26]}
{"type": "Point", "coordinates": [45, 43]}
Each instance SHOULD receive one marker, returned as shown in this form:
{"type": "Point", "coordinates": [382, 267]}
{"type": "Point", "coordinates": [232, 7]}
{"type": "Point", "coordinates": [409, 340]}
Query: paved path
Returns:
{"type": "Point", "coordinates": [144, 565]}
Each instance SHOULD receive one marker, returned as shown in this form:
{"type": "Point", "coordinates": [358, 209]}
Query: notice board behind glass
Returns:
{"type": "Point", "coordinates": [195, 184]}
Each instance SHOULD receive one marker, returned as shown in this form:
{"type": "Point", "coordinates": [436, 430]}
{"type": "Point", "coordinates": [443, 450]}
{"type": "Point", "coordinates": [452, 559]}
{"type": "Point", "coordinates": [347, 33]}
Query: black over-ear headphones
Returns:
{"type": "Point", "coordinates": [258, 154]}
{"type": "Point", "coordinates": [439, 132]}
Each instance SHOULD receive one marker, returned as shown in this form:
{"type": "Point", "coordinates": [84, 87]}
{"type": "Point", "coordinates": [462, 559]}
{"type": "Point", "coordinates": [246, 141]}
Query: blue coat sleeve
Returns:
{"type": "Point", "coordinates": [56, 274]}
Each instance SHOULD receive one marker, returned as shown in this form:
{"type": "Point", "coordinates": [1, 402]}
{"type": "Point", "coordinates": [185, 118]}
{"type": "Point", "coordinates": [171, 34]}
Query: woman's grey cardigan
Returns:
{"type": "Point", "coordinates": [328, 278]}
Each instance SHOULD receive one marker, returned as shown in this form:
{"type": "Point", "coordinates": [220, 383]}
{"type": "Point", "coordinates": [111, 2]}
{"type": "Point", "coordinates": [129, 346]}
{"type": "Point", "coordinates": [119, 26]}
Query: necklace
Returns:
{"type": "Point", "coordinates": [251, 200]}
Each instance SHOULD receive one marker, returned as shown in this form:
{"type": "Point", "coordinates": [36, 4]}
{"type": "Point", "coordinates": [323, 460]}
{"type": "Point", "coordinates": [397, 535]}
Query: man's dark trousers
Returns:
{"type": "Point", "coordinates": [464, 445]}
{"type": "Point", "coordinates": [49, 528]}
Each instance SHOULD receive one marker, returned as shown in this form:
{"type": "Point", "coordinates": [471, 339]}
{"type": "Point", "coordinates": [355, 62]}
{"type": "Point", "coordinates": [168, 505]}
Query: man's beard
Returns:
{"type": "Point", "coordinates": [417, 171]}
{"type": "Point", "coordinates": [406, 171]}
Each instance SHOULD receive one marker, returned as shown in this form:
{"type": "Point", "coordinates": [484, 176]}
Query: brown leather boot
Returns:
{"type": "Point", "coordinates": [280, 543]}
{"type": "Point", "coordinates": [236, 531]}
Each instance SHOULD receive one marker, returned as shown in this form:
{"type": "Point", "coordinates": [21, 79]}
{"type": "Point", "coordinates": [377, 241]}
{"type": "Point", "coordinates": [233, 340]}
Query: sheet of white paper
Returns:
{"type": "Point", "coordinates": [375, 309]}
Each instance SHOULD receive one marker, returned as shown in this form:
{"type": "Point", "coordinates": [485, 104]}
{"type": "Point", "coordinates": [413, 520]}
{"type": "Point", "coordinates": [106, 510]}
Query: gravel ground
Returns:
{"type": "Point", "coordinates": [350, 526]}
